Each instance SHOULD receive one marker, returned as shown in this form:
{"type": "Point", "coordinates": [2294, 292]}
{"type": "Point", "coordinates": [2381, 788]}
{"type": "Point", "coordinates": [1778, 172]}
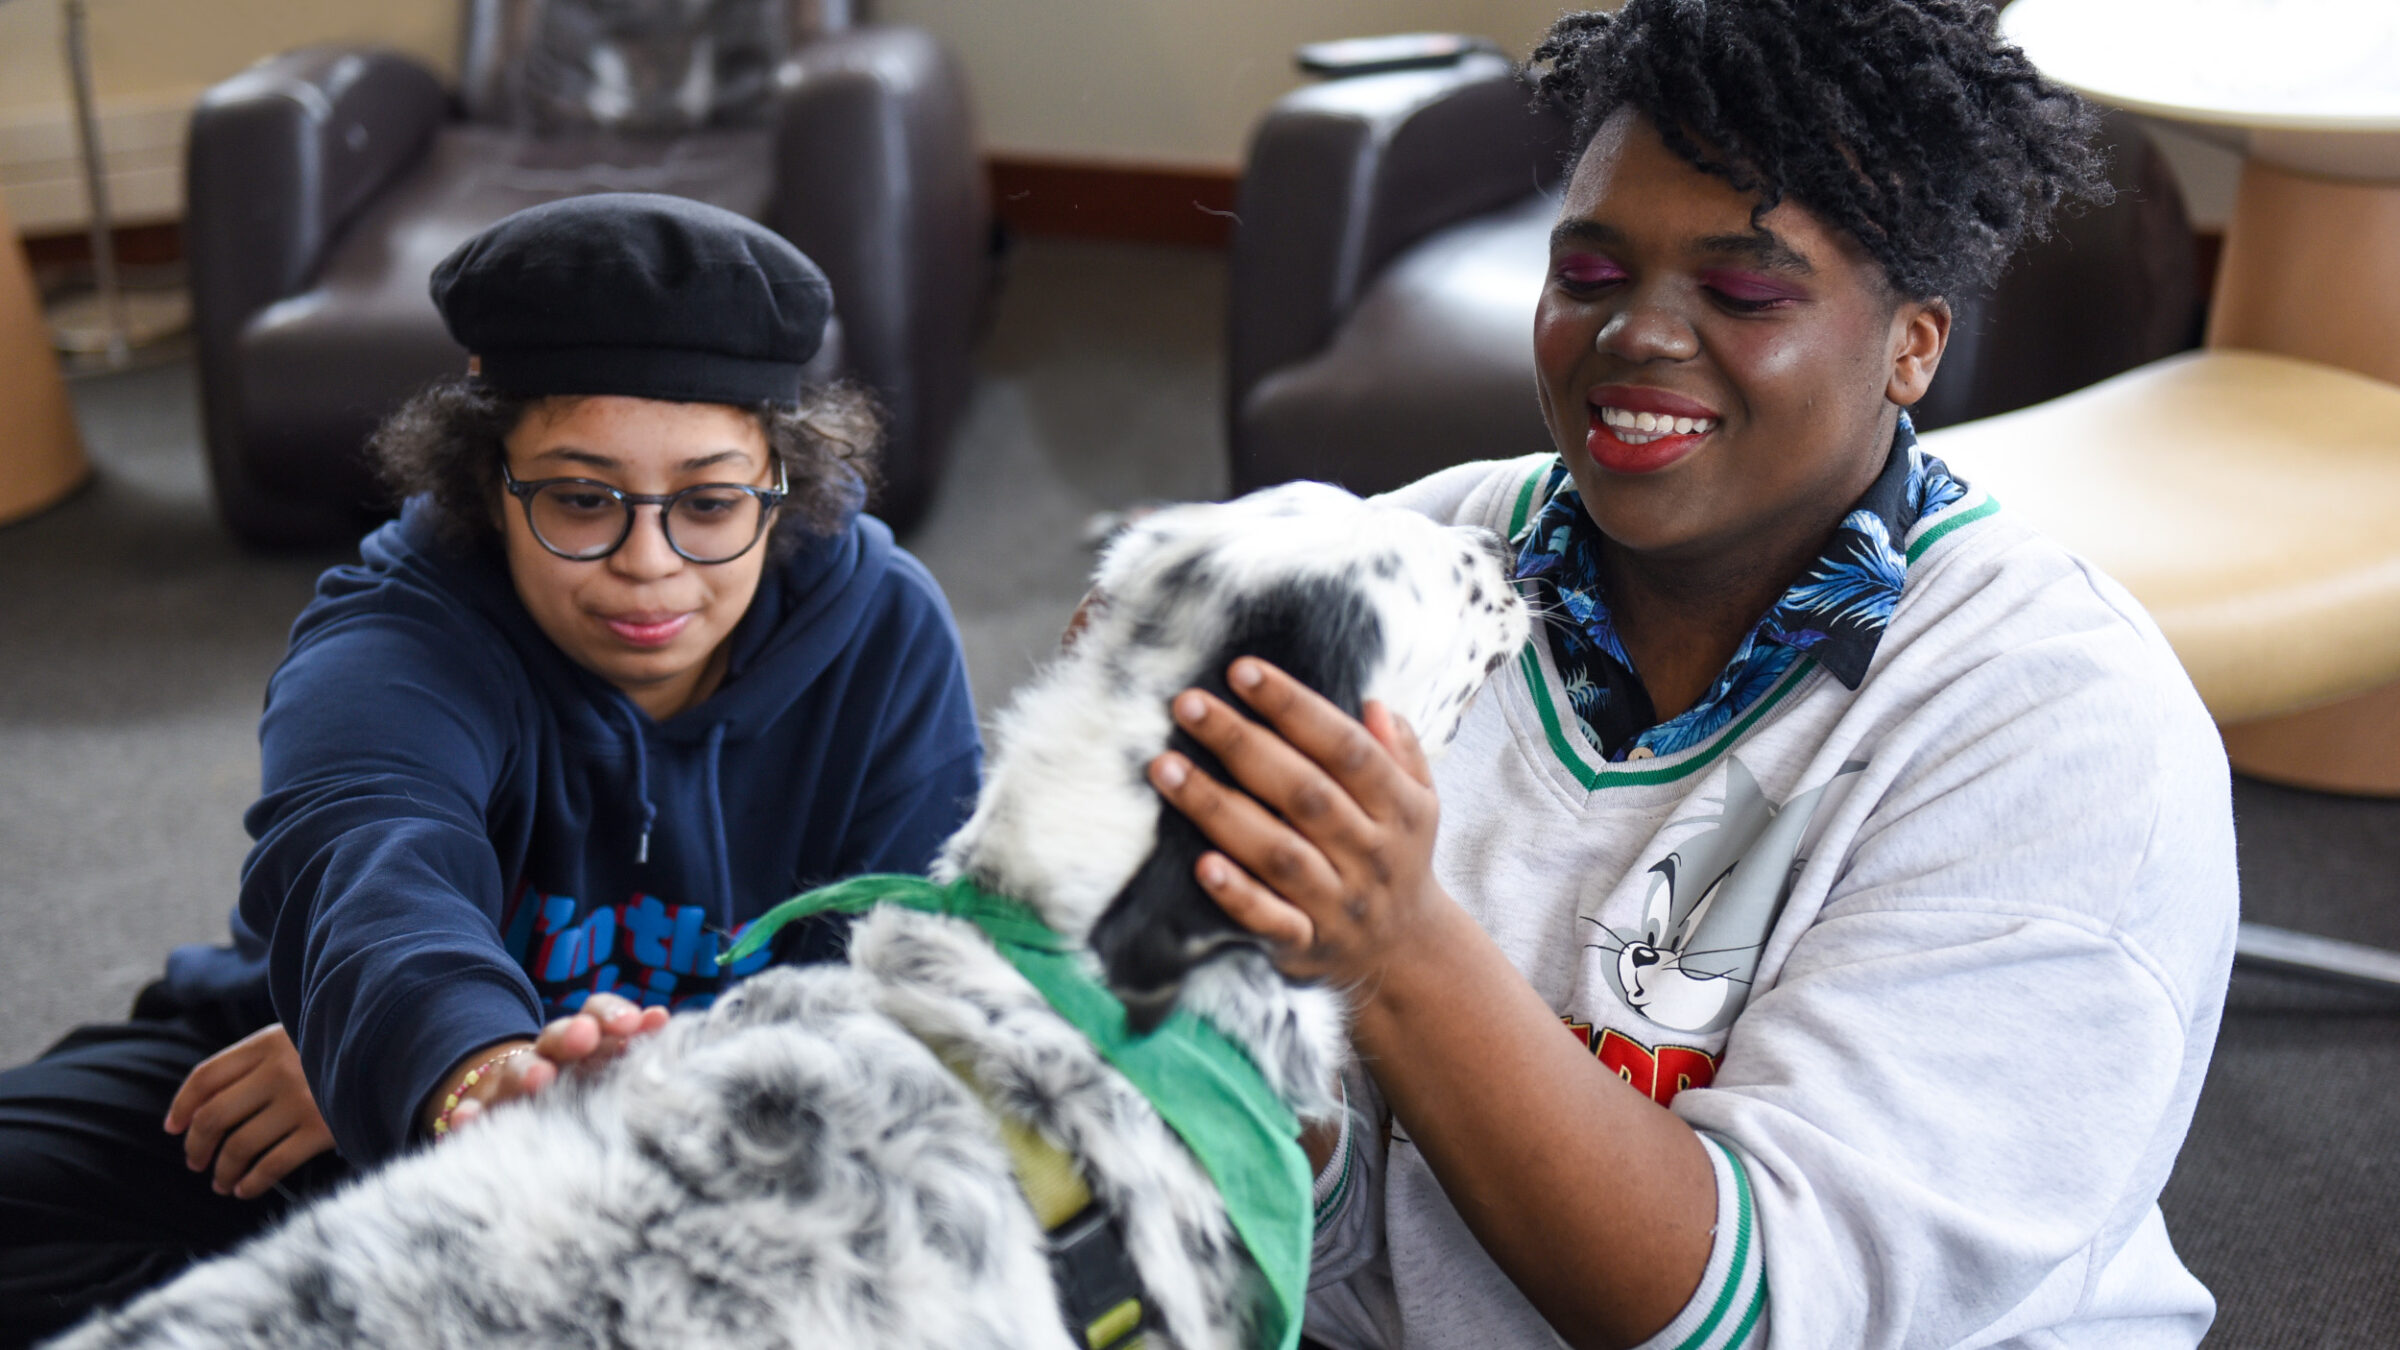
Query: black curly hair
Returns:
{"type": "Point", "coordinates": [1907, 123]}
{"type": "Point", "coordinates": [446, 443]}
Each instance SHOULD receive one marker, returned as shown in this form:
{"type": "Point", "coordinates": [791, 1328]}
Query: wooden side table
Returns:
{"type": "Point", "coordinates": [2309, 92]}
{"type": "Point", "coordinates": [41, 456]}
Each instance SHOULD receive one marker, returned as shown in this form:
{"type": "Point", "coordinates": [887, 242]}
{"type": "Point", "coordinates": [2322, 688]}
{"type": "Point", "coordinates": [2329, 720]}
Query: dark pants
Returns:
{"type": "Point", "coordinates": [96, 1204]}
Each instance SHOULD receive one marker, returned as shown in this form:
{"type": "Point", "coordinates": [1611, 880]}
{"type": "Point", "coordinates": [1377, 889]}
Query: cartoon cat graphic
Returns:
{"type": "Point", "coordinates": [1711, 903]}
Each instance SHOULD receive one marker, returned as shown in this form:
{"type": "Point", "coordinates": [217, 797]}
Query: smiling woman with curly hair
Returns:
{"type": "Point", "coordinates": [1875, 852]}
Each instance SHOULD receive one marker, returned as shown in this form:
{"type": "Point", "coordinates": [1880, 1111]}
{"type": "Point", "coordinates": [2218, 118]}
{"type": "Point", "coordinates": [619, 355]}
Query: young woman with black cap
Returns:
{"type": "Point", "coordinates": [629, 669]}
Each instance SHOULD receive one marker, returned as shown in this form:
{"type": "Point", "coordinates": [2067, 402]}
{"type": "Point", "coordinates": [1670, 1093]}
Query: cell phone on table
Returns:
{"type": "Point", "coordinates": [1389, 51]}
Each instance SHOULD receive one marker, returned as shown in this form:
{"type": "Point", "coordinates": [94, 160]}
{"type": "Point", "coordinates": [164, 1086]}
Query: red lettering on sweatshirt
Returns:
{"type": "Point", "coordinates": [1656, 1073]}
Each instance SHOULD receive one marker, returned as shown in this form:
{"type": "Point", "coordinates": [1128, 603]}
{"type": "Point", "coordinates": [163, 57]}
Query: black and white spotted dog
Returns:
{"type": "Point", "coordinates": [804, 1163]}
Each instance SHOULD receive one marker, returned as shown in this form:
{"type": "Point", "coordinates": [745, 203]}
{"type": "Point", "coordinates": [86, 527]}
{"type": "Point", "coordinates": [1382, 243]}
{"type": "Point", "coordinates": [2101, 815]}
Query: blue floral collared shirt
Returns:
{"type": "Point", "coordinates": [1835, 612]}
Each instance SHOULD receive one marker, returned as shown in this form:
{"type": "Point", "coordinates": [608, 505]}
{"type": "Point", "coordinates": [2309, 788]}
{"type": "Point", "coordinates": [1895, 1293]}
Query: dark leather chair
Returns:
{"type": "Point", "coordinates": [324, 185]}
{"type": "Point", "coordinates": [1394, 236]}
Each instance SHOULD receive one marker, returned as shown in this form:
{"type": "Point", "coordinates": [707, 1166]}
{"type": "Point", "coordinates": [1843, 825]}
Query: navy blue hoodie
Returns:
{"type": "Point", "coordinates": [462, 832]}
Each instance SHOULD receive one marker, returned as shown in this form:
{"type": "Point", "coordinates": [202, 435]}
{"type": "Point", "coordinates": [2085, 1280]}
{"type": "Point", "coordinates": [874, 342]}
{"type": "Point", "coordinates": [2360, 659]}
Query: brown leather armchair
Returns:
{"type": "Point", "coordinates": [324, 185]}
{"type": "Point", "coordinates": [1393, 239]}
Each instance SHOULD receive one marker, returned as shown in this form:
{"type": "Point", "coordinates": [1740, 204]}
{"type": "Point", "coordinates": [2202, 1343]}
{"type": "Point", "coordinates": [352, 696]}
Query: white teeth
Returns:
{"type": "Point", "coordinates": [1626, 421]}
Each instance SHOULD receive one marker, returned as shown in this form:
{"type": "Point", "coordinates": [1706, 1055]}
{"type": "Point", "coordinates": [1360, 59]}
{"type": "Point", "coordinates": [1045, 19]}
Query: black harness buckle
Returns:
{"type": "Point", "coordinates": [1099, 1291]}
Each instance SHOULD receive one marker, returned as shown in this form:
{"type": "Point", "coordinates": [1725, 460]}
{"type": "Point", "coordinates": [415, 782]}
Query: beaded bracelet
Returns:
{"type": "Point", "coordinates": [441, 1123]}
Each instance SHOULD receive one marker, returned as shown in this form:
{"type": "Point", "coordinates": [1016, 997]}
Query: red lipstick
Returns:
{"type": "Point", "coordinates": [1638, 430]}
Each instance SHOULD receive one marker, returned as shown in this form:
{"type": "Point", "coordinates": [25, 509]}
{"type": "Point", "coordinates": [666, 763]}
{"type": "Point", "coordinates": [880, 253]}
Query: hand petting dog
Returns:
{"type": "Point", "coordinates": [1350, 859]}
{"type": "Point", "coordinates": [1339, 872]}
{"type": "Point", "coordinates": [1335, 872]}
{"type": "Point", "coordinates": [507, 1070]}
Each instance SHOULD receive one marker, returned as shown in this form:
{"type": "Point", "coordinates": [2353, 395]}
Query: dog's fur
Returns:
{"type": "Point", "coordinates": [796, 1165]}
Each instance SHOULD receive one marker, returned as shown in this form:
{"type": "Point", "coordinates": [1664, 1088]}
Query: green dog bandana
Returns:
{"type": "Point", "coordinates": [1203, 1085]}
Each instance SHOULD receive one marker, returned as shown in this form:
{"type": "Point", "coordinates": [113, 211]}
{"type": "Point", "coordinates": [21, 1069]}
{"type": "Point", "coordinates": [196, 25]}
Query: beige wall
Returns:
{"type": "Point", "coordinates": [1170, 82]}
{"type": "Point", "coordinates": [150, 59]}
{"type": "Point", "coordinates": [1143, 81]}
{"type": "Point", "coordinates": [141, 47]}
{"type": "Point", "coordinates": [1166, 81]}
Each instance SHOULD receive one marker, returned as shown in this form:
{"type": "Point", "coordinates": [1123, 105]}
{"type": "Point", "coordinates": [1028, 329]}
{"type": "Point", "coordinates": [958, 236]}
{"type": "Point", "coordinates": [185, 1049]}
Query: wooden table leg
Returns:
{"type": "Point", "coordinates": [2312, 269]}
{"type": "Point", "coordinates": [2350, 746]}
{"type": "Point", "coordinates": [41, 456]}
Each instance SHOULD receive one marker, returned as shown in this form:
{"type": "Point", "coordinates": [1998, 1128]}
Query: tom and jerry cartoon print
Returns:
{"type": "Point", "coordinates": [1713, 898]}
{"type": "Point", "coordinates": [1686, 964]}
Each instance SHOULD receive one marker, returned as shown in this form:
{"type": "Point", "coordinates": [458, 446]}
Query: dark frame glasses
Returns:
{"type": "Point", "coordinates": [526, 491]}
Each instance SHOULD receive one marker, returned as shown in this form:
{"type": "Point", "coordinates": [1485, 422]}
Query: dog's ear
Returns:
{"type": "Point", "coordinates": [1323, 633]}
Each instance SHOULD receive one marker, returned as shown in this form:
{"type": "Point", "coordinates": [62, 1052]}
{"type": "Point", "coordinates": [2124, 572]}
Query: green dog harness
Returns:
{"type": "Point", "coordinates": [1203, 1085]}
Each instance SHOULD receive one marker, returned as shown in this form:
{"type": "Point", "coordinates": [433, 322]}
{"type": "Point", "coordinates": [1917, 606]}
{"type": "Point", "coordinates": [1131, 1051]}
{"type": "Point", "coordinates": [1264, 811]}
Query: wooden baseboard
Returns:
{"type": "Point", "coordinates": [137, 246]}
{"type": "Point", "coordinates": [1084, 199]}
{"type": "Point", "coordinates": [1077, 198]}
{"type": "Point", "coordinates": [1032, 196]}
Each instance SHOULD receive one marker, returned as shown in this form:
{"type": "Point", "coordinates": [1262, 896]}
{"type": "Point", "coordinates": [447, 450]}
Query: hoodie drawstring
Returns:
{"type": "Point", "coordinates": [641, 778]}
{"type": "Point", "coordinates": [716, 805]}
{"type": "Point", "coordinates": [716, 815]}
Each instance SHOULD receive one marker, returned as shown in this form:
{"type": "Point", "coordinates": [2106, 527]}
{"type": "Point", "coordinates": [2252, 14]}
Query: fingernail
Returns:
{"type": "Point", "coordinates": [1170, 771]}
{"type": "Point", "coordinates": [1246, 675]}
{"type": "Point", "coordinates": [1191, 707]}
{"type": "Point", "coordinates": [1212, 873]}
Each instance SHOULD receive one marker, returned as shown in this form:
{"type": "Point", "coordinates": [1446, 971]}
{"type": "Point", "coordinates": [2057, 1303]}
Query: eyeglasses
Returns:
{"type": "Point", "coordinates": [584, 521]}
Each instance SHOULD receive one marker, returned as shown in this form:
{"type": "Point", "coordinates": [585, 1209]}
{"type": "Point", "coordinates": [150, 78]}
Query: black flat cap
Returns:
{"type": "Point", "coordinates": [638, 294]}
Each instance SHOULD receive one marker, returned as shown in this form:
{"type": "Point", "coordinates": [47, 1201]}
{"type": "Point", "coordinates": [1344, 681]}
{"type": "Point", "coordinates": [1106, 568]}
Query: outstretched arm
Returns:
{"type": "Point", "coordinates": [504, 1071]}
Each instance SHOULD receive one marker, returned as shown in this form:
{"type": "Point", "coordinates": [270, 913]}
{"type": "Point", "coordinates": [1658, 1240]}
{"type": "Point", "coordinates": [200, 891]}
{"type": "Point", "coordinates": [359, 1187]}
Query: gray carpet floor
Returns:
{"type": "Point", "coordinates": [135, 639]}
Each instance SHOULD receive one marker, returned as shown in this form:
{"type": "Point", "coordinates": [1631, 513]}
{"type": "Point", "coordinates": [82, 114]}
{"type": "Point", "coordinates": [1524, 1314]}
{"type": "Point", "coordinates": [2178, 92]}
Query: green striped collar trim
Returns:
{"type": "Point", "coordinates": [1594, 772]}
{"type": "Point", "coordinates": [1932, 529]}
{"type": "Point", "coordinates": [1524, 507]}
{"type": "Point", "coordinates": [1586, 764]}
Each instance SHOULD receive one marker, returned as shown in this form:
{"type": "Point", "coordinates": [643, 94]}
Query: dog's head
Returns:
{"type": "Point", "coordinates": [1357, 599]}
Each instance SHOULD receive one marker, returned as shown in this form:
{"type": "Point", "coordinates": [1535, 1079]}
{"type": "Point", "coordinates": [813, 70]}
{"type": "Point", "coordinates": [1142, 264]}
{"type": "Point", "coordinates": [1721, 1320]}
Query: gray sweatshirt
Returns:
{"type": "Point", "coordinates": [1934, 967]}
